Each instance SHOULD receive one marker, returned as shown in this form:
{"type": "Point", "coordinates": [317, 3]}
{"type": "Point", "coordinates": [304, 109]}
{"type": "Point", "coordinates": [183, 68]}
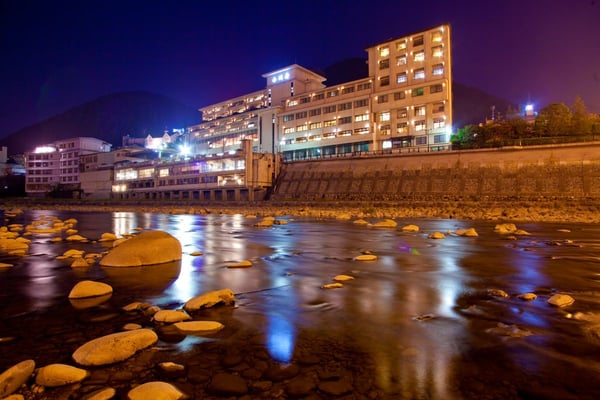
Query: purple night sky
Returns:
{"type": "Point", "coordinates": [59, 54]}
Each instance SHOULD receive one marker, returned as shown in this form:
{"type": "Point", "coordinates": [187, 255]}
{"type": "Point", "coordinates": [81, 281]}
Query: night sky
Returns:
{"type": "Point", "coordinates": [59, 54]}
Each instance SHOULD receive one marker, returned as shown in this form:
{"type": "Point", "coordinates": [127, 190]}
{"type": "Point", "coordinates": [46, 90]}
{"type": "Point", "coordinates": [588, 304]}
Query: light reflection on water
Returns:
{"type": "Point", "coordinates": [379, 310]}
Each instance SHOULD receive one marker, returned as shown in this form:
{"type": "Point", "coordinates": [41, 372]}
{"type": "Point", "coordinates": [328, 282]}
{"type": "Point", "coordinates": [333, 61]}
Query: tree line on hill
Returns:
{"type": "Point", "coordinates": [555, 123]}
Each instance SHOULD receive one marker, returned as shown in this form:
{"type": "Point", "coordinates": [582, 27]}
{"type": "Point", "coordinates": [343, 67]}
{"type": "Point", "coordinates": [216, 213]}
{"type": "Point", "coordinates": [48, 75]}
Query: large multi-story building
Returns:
{"type": "Point", "coordinates": [406, 101]}
{"type": "Point", "coordinates": [55, 167]}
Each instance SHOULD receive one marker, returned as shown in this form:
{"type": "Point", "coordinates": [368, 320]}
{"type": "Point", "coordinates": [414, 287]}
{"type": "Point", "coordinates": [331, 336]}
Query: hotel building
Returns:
{"type": "Point", "coordinates": [405, 102]}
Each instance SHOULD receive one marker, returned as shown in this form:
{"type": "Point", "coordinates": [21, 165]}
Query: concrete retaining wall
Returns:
{"type": "Point", "coordinates": [566, 171]}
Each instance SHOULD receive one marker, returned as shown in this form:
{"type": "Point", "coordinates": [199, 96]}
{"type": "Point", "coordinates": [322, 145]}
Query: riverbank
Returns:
{"type": "Point", "coordinates": [515, 210]}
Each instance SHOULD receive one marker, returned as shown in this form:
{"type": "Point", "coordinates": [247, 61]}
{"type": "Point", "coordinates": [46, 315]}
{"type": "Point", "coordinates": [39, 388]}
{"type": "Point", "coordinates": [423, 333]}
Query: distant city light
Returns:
{"type": "Point", "coordinates": [184, 150]}
{"type": "Point", "coordinates": [529, 107]}
{"type": "Point", "coordinates": [44, 149]}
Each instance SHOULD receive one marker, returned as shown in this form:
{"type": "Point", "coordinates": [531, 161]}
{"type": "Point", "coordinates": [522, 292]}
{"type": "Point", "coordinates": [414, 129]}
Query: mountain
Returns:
{"type": "Point", "coordinates": [108, 118]}
{"type": "Point", "coordinates": [471, 105]}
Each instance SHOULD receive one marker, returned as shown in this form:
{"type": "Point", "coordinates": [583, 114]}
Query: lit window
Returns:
{"type": "Point", "coordinates": [384, 116]}
{"type": "Point", "coordinates": [301, 128]}
{"type": "Point", "coordinates": [419, 126]}
{"type": "Point", "coordinates": [419, 110]}
{"type": "Point", "coordinates": [315, 125]}
{"type": "Point", "coordinates": [419, 73]}
{"type": "Point", "coordinates": [437, 51]}
{"type": "Point", "coordinates": [401, 77]}
{"type": "Point", "coordinates": [402, 113]}
{"type": "Point", "coordinates": [384, 51]}
{"type": "Point", "coordinates": [361, 117]}
{"type": "Point", "coordinates": [330, 122]}
{"type": "Point", "coordinates": [289, 130]}
{"type": "Point", "coordinates": [401, 60]}
{"type": "Point", "coordinates": [437, 36]}
{"type": "Point", "coordinates": [419, 56]}
{"type": "Point", "coordinates": [384, 129]}
{"type": "Point", "coordinates": [437, 69]}
{"type": "Point", "coordinates": [401, 45]}
{"type": "Point", "coordinates": [292, 103]}
{"type": "Point", "coordinates": [402, 127]}
{"type": "Point", "coordinates": [439, 123]}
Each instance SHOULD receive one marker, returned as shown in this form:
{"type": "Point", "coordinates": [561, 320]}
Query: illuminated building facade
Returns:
{"type": "Point", "coordinates": [405, 102]}
{"type": "Point", "coordinates": [56, 166]}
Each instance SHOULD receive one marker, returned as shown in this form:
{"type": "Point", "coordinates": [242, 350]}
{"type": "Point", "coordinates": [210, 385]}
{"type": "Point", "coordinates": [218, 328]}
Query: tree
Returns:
{"type": "Point", "coordinates": [581, 122]}
{"type": "Point", "coordinates": [554, 120]}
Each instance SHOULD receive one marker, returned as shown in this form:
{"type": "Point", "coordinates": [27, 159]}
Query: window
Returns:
{"type": "Point", "coordinates": [439, 123]}
{"type": "Point", "coordinates": [384, 81]}
{"type": "Point", "coordinates": [382, 99]}
{"type": "Point", "coordinates": [438, 107]}
{"type": "Point", "coordinates": [329, 109]}
{"type": "Point", "coordinates": [319, 96]}
{"type": "Point", "coordinates": [302, 114]}
{"type": "Point", "coordinates": [292, 103]}
{"type": "Point", "coordinates": [363, 86]}
{"type": "Point", "coordinates": [419, 73]}
{"type": "Point", "coordinates": [314, 112]}
{"type": "Point", "coordinates": [305, 100]}
{"type": "Point", "coordinates": [288, 118]}
{"type": "Point", "coordinates": [419, 110]}
{"type": "Point", "coordinates": [301, 128]}
{"type": "Point", "coordinates": [384, 116]}
{"type": "Point", "coordinates": [384, 64]}
{"type": "Point", "coordinates": [345, 106]}
{"type": "Point", "coordinates": [315, 125]}
{"type": "Point", "coordinates": [330, 122]}
{"type": "Point", "coordinates": [439, 139]}
{"type": "Point", "coordinates": [417, 92]}
{"type": "Point", "coordinates": [401, 45]}
{"type": "Point", "coordinates": [419, 125]}
{"type": "Point", "coordinates": [421, 140]}
{"type": "Point", "coordinates": [437, 36]}
{"type": "Point", "coordinates": [436, 88]}
{"type": "Point", "coordinates": [419, 56]}
{"type": "Point", "coordinates": [401, 77]}
{"type": "Point", "coordinates": [399, 95]}
{"type": "Point", "coordinates": [332, 93]}
{"type": "Point", "coordinates": [384, 129]}
{"type": "Point", "coordinates": [384, 51]}
{"type": "Point", "coordinates": [349, 89]}
{"type": "Point", "coordinates": [344, 120]}
{"type": "Point", "coordinates": [437, 69]}
{"type": "Point", "coordinates": [418, 41]}
{"type": "Point", "coordinates": [361, 103]}
{"type": "Point", "coordinates": [401, 60]}
{"type": "Point", "coordinates": [402, 113]}
{"type": "Point", "coordinates": [361, 117]}
{"type": "Point", "coordinates": [361, 131]}
{"type": "Point", "coordinates": [437, 51]}
{"type": "Point", "coordinates": [289, 130]}
{"type": "Point", "coordinates": [402, 127]}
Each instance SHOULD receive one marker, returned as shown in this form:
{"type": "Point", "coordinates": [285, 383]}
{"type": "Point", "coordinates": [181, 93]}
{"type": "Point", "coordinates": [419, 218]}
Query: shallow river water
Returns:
{"type": "Point", "coordinates": [423, 318]}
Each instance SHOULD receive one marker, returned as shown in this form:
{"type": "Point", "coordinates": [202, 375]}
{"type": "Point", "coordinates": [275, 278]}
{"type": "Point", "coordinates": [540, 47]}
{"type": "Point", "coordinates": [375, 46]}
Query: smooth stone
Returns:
{"type": "Point", "coordinates": [101, 394]}
{"type": "Point", "coordinates": [147, 248]}
{"type": "Point", "coordinates": [527, 296]}
{"type": "Point", "coordinates": [410, 228]}
{"type": "Point", "coordinates": [79, 263]}
{"type": "Point", "coordinates": [241, 264]}
{"type": "Point", "coordinates": [365, 257]}
{"type": "Point", "coordinates": [15, 376]}
{"type": "Point", "coordinates": [561, 300]}
{"type": "Point", "coordinates": [115, 347]}
{"type": "Point", "coordinates": [209, 299]}
{"type": "Point", "coordinates": [437, 235]}
{"type": "Point", "coordinates": [228, 384]}
{"type": "Point", "coordinates": [387, 223]}
{"type": "Point", "coordinates": [343, 278]}
{"type": "Point", "coordinates": [199, 326]}
{"type": "Point", "coordinates": [470, 232]}
{"type": "Point", "coordinates": [59, 375]}
{"type": "Point", "coordinates": [332, 285]}
{"type": "Point", "coordinates": [170, 316]}
{"type": "Point", "coordinates": [85, 289]}
{"type": "Point", "coordinates": [156, 390]}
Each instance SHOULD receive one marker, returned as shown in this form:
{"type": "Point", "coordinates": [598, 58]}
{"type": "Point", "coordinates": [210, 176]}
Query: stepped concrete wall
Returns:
{"type": "Point", "coordinates": [540, 172]}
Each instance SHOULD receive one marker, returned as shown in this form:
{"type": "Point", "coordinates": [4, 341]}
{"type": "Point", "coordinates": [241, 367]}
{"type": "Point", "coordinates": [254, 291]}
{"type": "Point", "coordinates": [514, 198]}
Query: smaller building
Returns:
{"type": "Point", "coordinates": [54, 168]}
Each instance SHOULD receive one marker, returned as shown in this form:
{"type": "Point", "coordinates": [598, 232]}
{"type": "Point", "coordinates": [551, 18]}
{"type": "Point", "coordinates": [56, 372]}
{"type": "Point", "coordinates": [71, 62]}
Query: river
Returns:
{"type": "Point", "coordinates": [423, 317]}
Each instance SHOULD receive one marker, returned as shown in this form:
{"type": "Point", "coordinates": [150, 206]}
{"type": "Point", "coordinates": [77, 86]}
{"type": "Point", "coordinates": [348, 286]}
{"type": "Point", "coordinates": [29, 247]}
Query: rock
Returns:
{"type": "Point", "coordinates": [59, 375]}
{"type": "Point", "coordinates": [527, 296]}
{"type": "Point", "coordinates": [300, 386]}
{"type": "Point", "coordinates": [332, 285]}
{"type": "Point", "coordinates": [437, 235]}
{"type": "Point", "coordinates": [107, 237]}
{"type": "Point", "coordinates": [209, 299]}
{"type": "Point", "coordinates": [365, 257]}
{"type": "Point", "coordinates": [410, 228]}
{"type": "Point", "coordinates": [228, 385]}
{"type": "Point", "coordinates": [386, 223]}
{"type": "Point", "coordinates": [170, 316]}
{"type": "Point", "coordinates": [336, 388]}
{"type": "Point", "coordinates": [196, 253]}
{"type": "Point", "coordinates": [497, 293]}
{"type": "Point", "coordinates": [5, 265]}
{"type": "Point", "coordinates": [79, 263]}
{"type": "Point", "coordinates": [156, 390]}
{"type": "Point", "coordinates": [131, 326]}
{"type": "Point", "coordinates": [115, 347]}
{"type": "Point", "coordinates": [199, 326]}
{"type": "Point", "coordinates": [471, 232]}
{"type": "Point", "coordinates": [266, 222]}
{"type": "Point", "coordinates": [86, 289]}
{"type": "Point", "coordinates": [277, 373]}
{"type": "Point", "coordinates": [360, 222]}
{"type": "Point", "coordinates": [76, 238]}
{"type": "Point", "coordinates": [15, 376]}
{"type": "Point", "coordinates": [107, 393]}
{"type": "Point", "coordinates": [343, 278]}
{"type": "Point", "coordinates": [508, 330]}
{"type": "Point", "coordinates": [504, 229]}
{"type": "Point", "coordinates": [242, 264]}
{"type": "Point", "coordinates": [561, 300]}
{"type": "Point", "coordinates": [147, 248]}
